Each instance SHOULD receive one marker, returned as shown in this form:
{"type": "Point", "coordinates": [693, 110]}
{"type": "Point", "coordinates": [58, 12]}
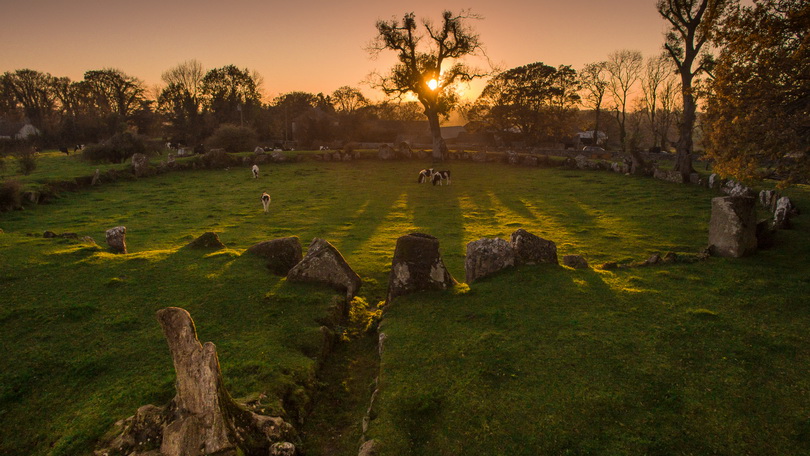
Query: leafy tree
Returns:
{"type": "Point", "coordinates": [692, 25]}
{"type": "Point", "coordinates": [230, 93]}
{"type": "Point", "coordinates": [233, 138]}
{"type": "Point", "coordinates": [289, 106]}
{"type": "Point", "coordinates": [114, 92]}
{"type": "Point", "coordinates": [758, 111]}
{"type": "Point", "coordinates": [421, 70]}
{"type": "Point", "coordinates": [347, 99]}
{"type": "Point", "coordinates": [535, 99]}
{"type": "Point", "coordinates": [594, 80]}
{"type": "Point", "coordinates": [34, 92]}
{"type": "Point", "coordinates": [624, 68]}
{"type": "Point", "coordinates": [181, 100]}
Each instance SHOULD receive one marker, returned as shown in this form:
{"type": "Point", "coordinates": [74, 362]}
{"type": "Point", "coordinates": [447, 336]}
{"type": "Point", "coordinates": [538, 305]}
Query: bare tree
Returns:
{"type": "Point", "coordinates": [595, 82]}
{"type": "Point", "coordinates": [421, 69]}
{"type": "Point", "coordinates": [624, 68]}
{"type": "Point", "coordinates": [187, 76]}
{"type": "Point", "coordinates": [656, 71]}
{"type": "Point", "coordinates": [692, 25]}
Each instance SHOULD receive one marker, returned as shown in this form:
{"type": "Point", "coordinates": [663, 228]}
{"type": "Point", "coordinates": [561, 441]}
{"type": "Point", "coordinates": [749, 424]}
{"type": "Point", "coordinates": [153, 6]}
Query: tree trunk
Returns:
{"type": "Point", "coordinates": [687, 125]}
{"type": "Point", "coordinates": [439, 147]}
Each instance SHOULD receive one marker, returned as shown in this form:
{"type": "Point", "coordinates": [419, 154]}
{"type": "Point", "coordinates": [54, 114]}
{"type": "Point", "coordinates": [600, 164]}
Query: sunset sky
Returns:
{"type": "Point", "coordinates": [308, 45]}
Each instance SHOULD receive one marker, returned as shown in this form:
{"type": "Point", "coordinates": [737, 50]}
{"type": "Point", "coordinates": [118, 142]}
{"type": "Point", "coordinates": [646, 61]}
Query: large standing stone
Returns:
{"type": "Point", "coordinates": [486, 257]}
{"type": "Point", "coordinates": [140, 164]}
{"type": "Point", "coordinates": [732, 228]}
{"type": "Point", "coordinates": [734, 188]}
{"type": "Point", "coordinates": [531, 249]}
{"type": "Point", "coordinates": [117, 239]}
{"type": "Point", "coordinates": [417, 266]}
{"type": "Point", "coordinates": [281, 254]}
{"type": "Point", "coordinates": [768, 198]}
{"type": "Point", "coordinates": [324, 264]}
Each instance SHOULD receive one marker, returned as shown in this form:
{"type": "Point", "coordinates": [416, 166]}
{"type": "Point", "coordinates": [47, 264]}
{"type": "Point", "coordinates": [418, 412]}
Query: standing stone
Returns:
{"type": "Point", "coordinates": [531, 249]}
{"type": "Point", "coordinates": [324, 264]}
{"type": "Point", "coordinates": [281, 254]}
{"type": "Point", "coordinates": [386, 152]}
{"type": "Point", "coordinates": [417, 266]}
{"type": "Point", "coordinates": [732, 228]}
{"type": "Point", "coordinates": [781, 215]}
{"type": "Point", "coordinates": [768, 198]}
{"type": "Point", "coordinates": [486, 257]}
{"type": "Point", "coordinates": [734, 188]}
{"type": "Point", "coordinates": [117, 239]}
{"type": "Point", "coordinates": [582, 161]}
{"type": "Point", "coordinates": [96, 175]}
{"type": "Point", "coordinates": [714, 181]}
{"type": "Point", "coordinates": [575, 261]}
{"type": "Point", "coordinates": [140, 164]}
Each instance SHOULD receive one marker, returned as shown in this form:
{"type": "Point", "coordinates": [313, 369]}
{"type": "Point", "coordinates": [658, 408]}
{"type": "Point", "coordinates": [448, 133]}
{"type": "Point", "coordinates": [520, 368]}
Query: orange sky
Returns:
{"type": "Point", "coordinates": [309, 45]}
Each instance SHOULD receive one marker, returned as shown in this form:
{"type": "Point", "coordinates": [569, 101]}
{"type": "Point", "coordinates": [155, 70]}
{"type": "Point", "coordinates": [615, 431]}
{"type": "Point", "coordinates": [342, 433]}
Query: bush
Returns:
{"type": "Point", "coordinates": [27, 161]}
{"type": "Point", "coordinates": [233, 139]}
{"type": "Point", "coordinates": [117, 149]}
{"type": "Point", "coordinates": [10, 195]}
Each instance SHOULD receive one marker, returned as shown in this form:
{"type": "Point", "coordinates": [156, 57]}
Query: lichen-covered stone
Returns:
{"type": "Point", "coordinates": [324, 264]}
{"type": "Point", "coordinates": [486, 257]}
{"type": "Point", "coordinates": [531, 249]}
{"type": "Point", "coordinates": [417, 266]}
{"type": "Point", "coordinates": [732, 228]}
{"type": "Point", "coordinates": [117, 239]}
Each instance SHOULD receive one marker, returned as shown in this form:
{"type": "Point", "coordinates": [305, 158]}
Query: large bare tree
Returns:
{"type": "Point", "coordinates": [429, 64]}
{"type": "Point", "coordinates": [692, 25]}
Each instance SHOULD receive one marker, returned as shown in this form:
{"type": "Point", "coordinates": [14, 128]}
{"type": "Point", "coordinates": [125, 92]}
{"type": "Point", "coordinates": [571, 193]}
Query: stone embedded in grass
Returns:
{"type": "Point", "coordinates": [417, 266]}
{"type": "Point", "coordinates": [369, 448]}
{"type": "Point", "coordinates": [282, 254]}
{"type": "Point", "coordinates": [575, 261]}
{"type": "Point", "coordinates": [323, 263]}
{"type": "Point", "coordinates": [732, 228]}
{"type": "Point", "coordinates": [531, 249]}
{"type": "Point", "coordinates": [117, 239]}
{"type": "Point", "coordinates": [486, 257]}
{"type": "Point", "coordinates": [208, 240]}
{"type": "Point", "coordinates": [140, 165]}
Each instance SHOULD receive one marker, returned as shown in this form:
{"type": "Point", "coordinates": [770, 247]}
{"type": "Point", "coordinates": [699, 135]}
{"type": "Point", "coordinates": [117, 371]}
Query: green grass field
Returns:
{"type": "Point", "coordinates": [704, 358]}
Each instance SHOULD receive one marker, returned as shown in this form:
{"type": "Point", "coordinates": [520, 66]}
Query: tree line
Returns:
{"type": "Point", "coordinates": [753, 88]}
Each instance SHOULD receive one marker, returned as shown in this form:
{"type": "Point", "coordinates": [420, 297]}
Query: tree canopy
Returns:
{"type": "Point", "coordinates": [758, 116]}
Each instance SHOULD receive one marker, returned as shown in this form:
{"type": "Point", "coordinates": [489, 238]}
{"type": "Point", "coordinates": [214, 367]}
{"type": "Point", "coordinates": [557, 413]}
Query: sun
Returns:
{"type": "Point", "coordinates": [433, 84]}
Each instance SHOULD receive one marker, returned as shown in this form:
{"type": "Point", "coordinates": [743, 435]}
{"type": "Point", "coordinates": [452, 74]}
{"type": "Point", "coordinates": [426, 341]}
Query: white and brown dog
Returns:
{"type": "Point", "coordinates": [255, 171]}
{"type": "Point", "coordinates": [266, 202]}
{"type": "Point", "coordinates": [440, 176]}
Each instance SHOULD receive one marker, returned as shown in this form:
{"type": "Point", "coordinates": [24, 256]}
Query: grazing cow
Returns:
{"type": "Point", "coordinates": [440, 176]}
{"type": "Point", "coordinates": [64, 150]}
{"type": "Point", "coordinates": [255, 170]}
{"type": "Point", "coordinates": [425, 175]}
{"type": "Point", "coordinates": [266, 202]}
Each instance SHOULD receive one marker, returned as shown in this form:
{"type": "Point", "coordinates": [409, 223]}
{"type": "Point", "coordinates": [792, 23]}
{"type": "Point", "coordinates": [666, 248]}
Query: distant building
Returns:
{"type": "Point", "coordinates": [586, 138]}
{"type": "Point", "coordinates": [17, 130]}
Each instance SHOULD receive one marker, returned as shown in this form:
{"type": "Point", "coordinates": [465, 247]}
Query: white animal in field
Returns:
{"type": "Point", "coordinates": [426, 175]}
{"type": "Point", "coordinates": [440, 176]}
{"type": "Point", "coordinates": [255, 171]}
{"type": "Point", "coordinates": [266, 202]}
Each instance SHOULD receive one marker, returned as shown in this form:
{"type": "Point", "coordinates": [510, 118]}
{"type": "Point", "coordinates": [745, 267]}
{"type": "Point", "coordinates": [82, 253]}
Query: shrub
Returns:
{"type": "Point", "coordinates": [10, 195]}
{"type": "Point", "coordinates": [116, 149]}
{"type": "Point", "coordinates": [27, 161]}
{"type": "Point", "coordinates": [233, 138]}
